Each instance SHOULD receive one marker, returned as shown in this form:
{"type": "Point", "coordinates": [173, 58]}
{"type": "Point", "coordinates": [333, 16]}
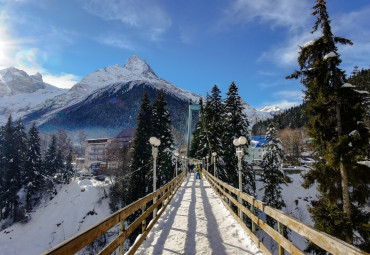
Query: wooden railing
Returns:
{"type": "Point", "coordinates": [81, 240]}
{"type": "Point", "coordinates": [321, 239]}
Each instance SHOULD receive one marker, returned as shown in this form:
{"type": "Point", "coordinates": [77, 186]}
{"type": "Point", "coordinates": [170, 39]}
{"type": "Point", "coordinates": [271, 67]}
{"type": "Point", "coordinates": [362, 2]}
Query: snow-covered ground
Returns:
{"type": "Point", "coordinates": [196, 222]}
{"type": "Point", "coordinates": [76, 207]}
{"type": "Point", "coordinates": [297, 199]}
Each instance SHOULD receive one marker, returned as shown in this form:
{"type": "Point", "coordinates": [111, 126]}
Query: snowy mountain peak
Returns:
{"type": "Point", "coordinates": [37, 76]}
{"type": "Point", "coordinates": [14, 81]}
{"type": "Point", "coordinates": [271, 109]}
{"type": "Point", "coordinates": [138, 66]}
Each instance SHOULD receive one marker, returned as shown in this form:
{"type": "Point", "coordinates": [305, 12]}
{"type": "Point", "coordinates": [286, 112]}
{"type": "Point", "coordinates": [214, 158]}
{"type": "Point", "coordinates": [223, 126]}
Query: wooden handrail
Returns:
{"type": "Point", "coordinates": [321, 239]}
{"type": "Point", "coordinates": [81, 240]}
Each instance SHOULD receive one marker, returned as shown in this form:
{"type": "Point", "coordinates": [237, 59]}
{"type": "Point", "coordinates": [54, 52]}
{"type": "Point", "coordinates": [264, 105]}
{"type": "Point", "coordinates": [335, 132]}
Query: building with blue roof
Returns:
{"type": "Point", "coordinates": [256, 149]}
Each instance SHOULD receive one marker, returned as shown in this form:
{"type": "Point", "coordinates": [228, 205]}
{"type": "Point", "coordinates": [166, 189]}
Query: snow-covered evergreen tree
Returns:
{"type": "Point", "coordinates": [140, 183]}
{"type": "Point", "coordinates": [235, 125]}
{"type": "Point", "coordinates": [59, 164]}
{"type": "Point", "coordinates": [34, 180]}
{"type": "Point", "coordinates": [68, 172]}
{"type": "Point", "coordinates": [215, 113]}
{"type": "Point", "coordinates": [11, 170]}
{"type": "Point", "coordinates": [162, 130]}
{"type": "Point", "coordinates": [272, 176]}
{"type": "Point", "coordinates": [50, 163]}
{"type": "Point", "coordinates": [340, 138]}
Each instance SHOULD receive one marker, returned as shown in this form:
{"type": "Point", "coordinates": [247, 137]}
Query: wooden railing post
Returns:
{"type": "Point", "coordinates": [253, 210]}
{"type": "Point", "coordinates": [121, 250]}
{"type": "Point", "coordinates": [143, 223]}
{"type": "Point", "coordinates": [281, 231]}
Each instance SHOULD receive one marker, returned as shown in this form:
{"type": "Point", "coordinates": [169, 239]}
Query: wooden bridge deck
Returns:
{"type": "Point", "coordinates": [196, 222]}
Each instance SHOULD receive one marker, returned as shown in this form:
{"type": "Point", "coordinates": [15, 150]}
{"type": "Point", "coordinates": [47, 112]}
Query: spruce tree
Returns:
{"type": "Point", "coordinates": [140, 183]}
{"type": "Point", "coordinates": [59, 164]}
{"type": "Point", "coordinates": [34, 180]}
{"type": "Point", "coordinates": [215, 114]}
{"type": "Point", "coordinates": [12, 171]}
{"type": "Point", "coordinates": [68, 171]}
{"type": "Point", "coordinates": [236, 125]}
{"type": "Point", "coordinates": [211, 125]}
{"type": "Point", "coordinates": [162, 130]}
{"type": "Point", "coordinates": [272, 176]}
{"type": "Point", "coordinates": [51, 164]}
{"type": "Point", "coordinates": [341, 139]}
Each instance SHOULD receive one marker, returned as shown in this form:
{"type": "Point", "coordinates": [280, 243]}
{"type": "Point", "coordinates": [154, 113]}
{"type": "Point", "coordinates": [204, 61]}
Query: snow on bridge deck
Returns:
{"type": "Point", "coordinates": [196, 222]}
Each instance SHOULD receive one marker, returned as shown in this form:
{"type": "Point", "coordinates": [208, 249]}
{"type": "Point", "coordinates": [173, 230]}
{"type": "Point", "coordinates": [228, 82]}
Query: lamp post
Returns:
{"type": "Point", "coordinates": [214, 154]}
{"type": "Point", "coordinates": [154, 142]}
{"type": "Point", "coordinates": [177, 156]}
{"type": "Point", "coordinates": [239, 143]}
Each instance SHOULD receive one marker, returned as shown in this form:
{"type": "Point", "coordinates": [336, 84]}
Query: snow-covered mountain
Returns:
{"type": "Point", "coordinates": [273, 110]}
{"type": "Point", "coordinates": [108, 98]}
{"type": "Point", "coordinates": [135, 69]}
{"type": "Point", "coordinates": [255, 115]}
{"type": "Point", "coordinates": [20, 93]}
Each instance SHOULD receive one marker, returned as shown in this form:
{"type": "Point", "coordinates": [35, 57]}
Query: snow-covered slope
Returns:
{"type": "Point", "coordinates": [273, 110]}
{"type": "Point", "coordinates": [135, 69]}
{"type": "Point", "coordinates": [20, 93]}
{"type": "Point", "coordinates": [76, 207]}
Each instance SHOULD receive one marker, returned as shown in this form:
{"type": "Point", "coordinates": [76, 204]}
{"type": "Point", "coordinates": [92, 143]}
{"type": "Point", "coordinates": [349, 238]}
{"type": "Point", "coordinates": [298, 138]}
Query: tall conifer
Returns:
{"type": "Point", "coordinates": [140, 183]}
{"type": "Point", "coordinates": [34, 179]}
{"type": "Point", "coordinates": [272, 176]}
{"type": "Point", "coordinates": [162, 130]}
{"type": "Point", "coordinates": [235, 125]}
{"type": "Point", "coordinates": [340, 137]}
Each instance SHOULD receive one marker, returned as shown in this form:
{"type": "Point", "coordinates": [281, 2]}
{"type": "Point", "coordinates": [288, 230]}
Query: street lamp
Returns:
{"type": "Point", "coordinates": [177, 156]}
{"type": "Point", "coordinates": [214, 154]}
{"type": "Point", "coordinates": [154, 142]}
{"type": "Point", "coordinates": [239, 143]}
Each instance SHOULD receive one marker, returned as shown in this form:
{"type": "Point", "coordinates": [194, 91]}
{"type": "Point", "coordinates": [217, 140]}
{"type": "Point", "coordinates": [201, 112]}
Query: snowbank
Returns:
{"type": "Point", "coordinates": [76, 207]}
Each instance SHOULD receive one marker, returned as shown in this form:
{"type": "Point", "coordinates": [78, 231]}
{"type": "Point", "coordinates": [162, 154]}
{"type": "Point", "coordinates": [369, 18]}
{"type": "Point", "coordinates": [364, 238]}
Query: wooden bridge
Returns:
{"type": "Point", "coordinates": [247, 210]}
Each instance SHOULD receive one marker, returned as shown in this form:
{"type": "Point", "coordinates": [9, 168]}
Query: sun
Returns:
{"type": "Point", "coordinates": [7, 48]}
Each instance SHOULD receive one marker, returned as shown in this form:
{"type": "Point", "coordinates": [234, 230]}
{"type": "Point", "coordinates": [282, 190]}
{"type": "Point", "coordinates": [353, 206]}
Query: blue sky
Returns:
{"type": "Point", "coordinates": [193, 44]}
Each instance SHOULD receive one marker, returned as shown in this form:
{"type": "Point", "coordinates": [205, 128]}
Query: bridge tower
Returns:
{"type": "Point", "coordinates": [192, 107]}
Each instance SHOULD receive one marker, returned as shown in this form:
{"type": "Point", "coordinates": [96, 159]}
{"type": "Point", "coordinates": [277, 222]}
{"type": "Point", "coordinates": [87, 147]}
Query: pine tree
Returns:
{"type": "Point", "coordinates": [340, 137]}
{"type": "Point", "coordinates": [140, 183]}
{"type": "Point", "coordinates": [215, 113]}
{"type": "Point", "coordinates": [162, 130]}
{"type": "Point", "coordinates": [68, 171]}
{"type": "Point", "coordinates": [272, 176]}
{"type": "Point", "coordinates": [12, 171]}
{"type": "Point", "coordinates": [236, 125]}
{"type": "Point", "coordinates": [34, 180]}
{"type": "Point", "coordinates": [51, 164]}
{"type": "Point", "coordinates": [59, 165]}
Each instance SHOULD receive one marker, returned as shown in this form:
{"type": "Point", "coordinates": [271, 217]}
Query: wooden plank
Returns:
{"type": "Point", "coordinates": [79, 241]}
{"type": "Point", "coordinates": [323, 240]}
